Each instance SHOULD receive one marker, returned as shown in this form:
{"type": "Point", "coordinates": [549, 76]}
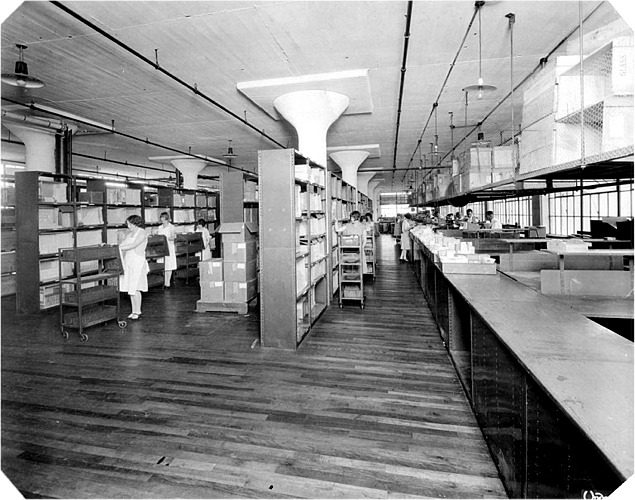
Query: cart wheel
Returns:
{"type": "Point", "coordinates": [64, 334]}
{"type": "Point", "coordinates": [83, 337]}
{"type": "Point", "coordinates": [122, 324]}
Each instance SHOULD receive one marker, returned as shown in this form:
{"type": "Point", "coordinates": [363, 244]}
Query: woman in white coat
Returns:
{"type": "Point", "coordinates": [168, 230]}
{"type": "Point", "coordinates": [406, 225]}
{"type": "Point", "coordinates": [201, 227]}
{"type": "Point", "coordinates": [135, 266]}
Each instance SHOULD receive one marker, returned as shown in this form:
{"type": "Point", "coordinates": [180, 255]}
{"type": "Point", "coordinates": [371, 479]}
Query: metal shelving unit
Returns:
{"type": "Point", "coordinates": [293, 256]}
{"type": "Point", "coordinates": [351, 264]}
{"type": "Point", "coordinates": [90, 299]}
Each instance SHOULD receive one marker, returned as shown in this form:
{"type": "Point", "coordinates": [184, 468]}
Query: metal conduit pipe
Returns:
{"type": "Point", "coordinates": [477, 6]}
{"type": "Point", "coordinates": [127, 164]}
{"type": "Point", "coordinates": [406, 41]}
{"type": "Point", "coordinates": [156, 66]}
{"type": "Point", "coordinates": [33, 120]}
{"type": "Point", "coordinates": [129, 136]}
{"type": "Point", "coordinates": [540, 64]}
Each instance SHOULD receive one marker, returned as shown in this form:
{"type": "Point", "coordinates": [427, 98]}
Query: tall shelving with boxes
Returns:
{"type": "Point", "coordinates": [208, 208]}
{"type": "Point", "coordinates": [118, 201]}
{"type": "Point", "coordinates": [342, 203]}
{"type": "Point", "coordinates": [8, 239]}
{"type": "Point", "coordinates": [293, 254]}
{"type": "Point", "coordinates": [250, 199]}
{"type": "Point", "coordinates": [45, 222]}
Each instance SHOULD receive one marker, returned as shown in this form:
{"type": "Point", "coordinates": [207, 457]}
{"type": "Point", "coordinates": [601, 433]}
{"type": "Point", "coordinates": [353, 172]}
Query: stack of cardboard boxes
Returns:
{"type": "Point", "coordinates": [232, 279]}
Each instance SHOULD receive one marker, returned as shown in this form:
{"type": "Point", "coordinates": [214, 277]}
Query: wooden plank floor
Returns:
{"type": "Point", "coordinates": [180, 405]}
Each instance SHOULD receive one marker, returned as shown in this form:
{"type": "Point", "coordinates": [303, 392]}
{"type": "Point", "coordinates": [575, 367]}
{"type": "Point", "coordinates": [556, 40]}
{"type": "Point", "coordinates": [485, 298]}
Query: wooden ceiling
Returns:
{"type": "Point", "coordinates": [214, 46]}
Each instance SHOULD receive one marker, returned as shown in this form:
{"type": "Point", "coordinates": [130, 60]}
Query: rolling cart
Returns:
{"type": "Point", "coordinates": [370, 263]}
{"type": "Point", "coordinates": [91, 297]}
{"type": "Point", "coordinates": [351, 269]}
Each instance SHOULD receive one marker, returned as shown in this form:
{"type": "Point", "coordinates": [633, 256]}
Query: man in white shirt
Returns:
{"type": "Point", "coordinates": [494, 223]}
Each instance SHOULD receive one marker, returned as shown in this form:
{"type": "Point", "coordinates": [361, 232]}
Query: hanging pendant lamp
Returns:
{"type": "Point", "coordinates": [480, 88]}
{"type": "Point", "coordinates": [230, 153]}
{"type": "Point", "coordinates": [21, 76]}
{"type": "Point", "coordinates": [434, 146]}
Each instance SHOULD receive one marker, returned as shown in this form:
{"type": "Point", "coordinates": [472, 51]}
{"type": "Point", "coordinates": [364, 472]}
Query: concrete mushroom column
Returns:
{"type": "Point", "coordinates": [349, 162]}
{"type": "Point", "coordinates": [39, 144]}
{"type": "Point", "coordinates": [363, 180]}
{"type": "Point", "coordinates": [372, 186]}
{"type": "Point", "coordinates": [189, 168]}
{"type": "Point", "coordinates": [312, 112]}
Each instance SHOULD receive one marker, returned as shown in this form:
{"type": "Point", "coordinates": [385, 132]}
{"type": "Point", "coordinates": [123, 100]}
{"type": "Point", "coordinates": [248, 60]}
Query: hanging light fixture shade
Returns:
{"type": "Point", "coordinates": [230, 151]}
{"type": "Point", "coordinates": [21, 76]}
{"type": "Point", "coordinates": [480, 88]}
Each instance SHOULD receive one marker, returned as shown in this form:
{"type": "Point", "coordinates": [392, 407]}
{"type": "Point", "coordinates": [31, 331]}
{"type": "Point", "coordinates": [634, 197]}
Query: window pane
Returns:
{"type": "Point", "coordinates": [626, 201]}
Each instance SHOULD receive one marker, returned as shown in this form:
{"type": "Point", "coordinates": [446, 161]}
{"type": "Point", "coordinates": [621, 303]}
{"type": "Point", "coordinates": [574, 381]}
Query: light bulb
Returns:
{"type": "Point", "coordinates": [479, 96]}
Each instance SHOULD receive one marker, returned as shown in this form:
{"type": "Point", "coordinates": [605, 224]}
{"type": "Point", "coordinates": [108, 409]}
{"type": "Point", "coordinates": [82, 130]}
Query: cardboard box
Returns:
{"type": "Point", "coordinates": [237, 232]}
{"type": "Point", "coordinates": [240, 291]}
{"type": "Point", "coordinates": [240, 251]}
{"type": "Point", "coordinates": [303, 172]}
{"type": "Point", "coordinates": [212, 291]}
{"type": "Point", "coordinates": [239, 271]}
{"type": "Point", "coordinates": [211, 270]}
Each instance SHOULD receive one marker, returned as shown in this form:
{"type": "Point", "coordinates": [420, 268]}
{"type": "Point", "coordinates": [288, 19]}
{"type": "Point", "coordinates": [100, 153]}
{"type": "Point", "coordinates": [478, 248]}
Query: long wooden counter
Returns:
{"type": "Point", "coordinates": [551, 389]}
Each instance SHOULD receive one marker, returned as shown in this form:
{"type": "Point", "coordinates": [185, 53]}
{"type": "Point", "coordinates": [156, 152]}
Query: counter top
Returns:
{"type": "Point", "coordinates": [585, 368]}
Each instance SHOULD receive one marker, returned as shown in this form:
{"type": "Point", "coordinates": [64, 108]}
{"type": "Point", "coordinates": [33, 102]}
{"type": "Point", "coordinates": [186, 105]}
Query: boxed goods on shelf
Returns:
{"type": "Point", "coordinates": [89, 216]}
{"type": "Point", "coordinates": [239, 251]}
{"type": "Point", "coordinates": [503, 158]}
{"type": "Point", "coordinates": [51, 243]}
{"type": "Point", "coordinates": [88, 238]}
{"type": "Point", "coordinates": [49, 296]}
{"type": "Point", "coordinates": [7, 262]}
{"type": "Point", "coordinates": [563, 246]}
{"type": "Point", "coordinates": [317, 225]}
{"type": "Point", "coordinates": [350, 275]}
{"type": "Point", "coordinates": [351, 292]}
{"type": "Point", "coordinates": [52, 192]}
{"type": "Point", "coordinates": [352, 240]}
{"type": "Point", "coordinates": [238, 231]}
{"type": "Point", "coordinates": [118, 216]}
{"type": "Point", "coordinates": [468, 268]}
{"type": "Point", "coordinates": [7, 196]}
{"type": "Point", "coordinates": [48, 218]}
{"type": "Point", "coordinates": [212, 291]}
{"type": "Point", "coordinates": [8, 284]}
{"type": "Point", "coordinates": [617, 118]}
{"type": "Point", "coordinates": [317, 250]}
{"type": "Point", "coordinates": [242, 291]}
{"type": "Point", "coordinates": [303, 172]}
{"type": "Point", "coordinates": [301, 273]}
{"type": "Point", "coordinates": [318, 270]}
{"type": "Point", "coordinates": [302, 309]}
{"type": "Point", "coordinates": [302, 228]}
{"type": "Point", "coordinates": [315, 202]}
{"type": "Point", "coordinates": [91, 197]}
{"type": "Point", "coordinates": [50, 271]}
{"type": "Point", "coordinates": [318, 176]}
{"type": "Point", "coordinates": [184, 216]}
{"type": "Point", "coordinates": [239, 271]}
